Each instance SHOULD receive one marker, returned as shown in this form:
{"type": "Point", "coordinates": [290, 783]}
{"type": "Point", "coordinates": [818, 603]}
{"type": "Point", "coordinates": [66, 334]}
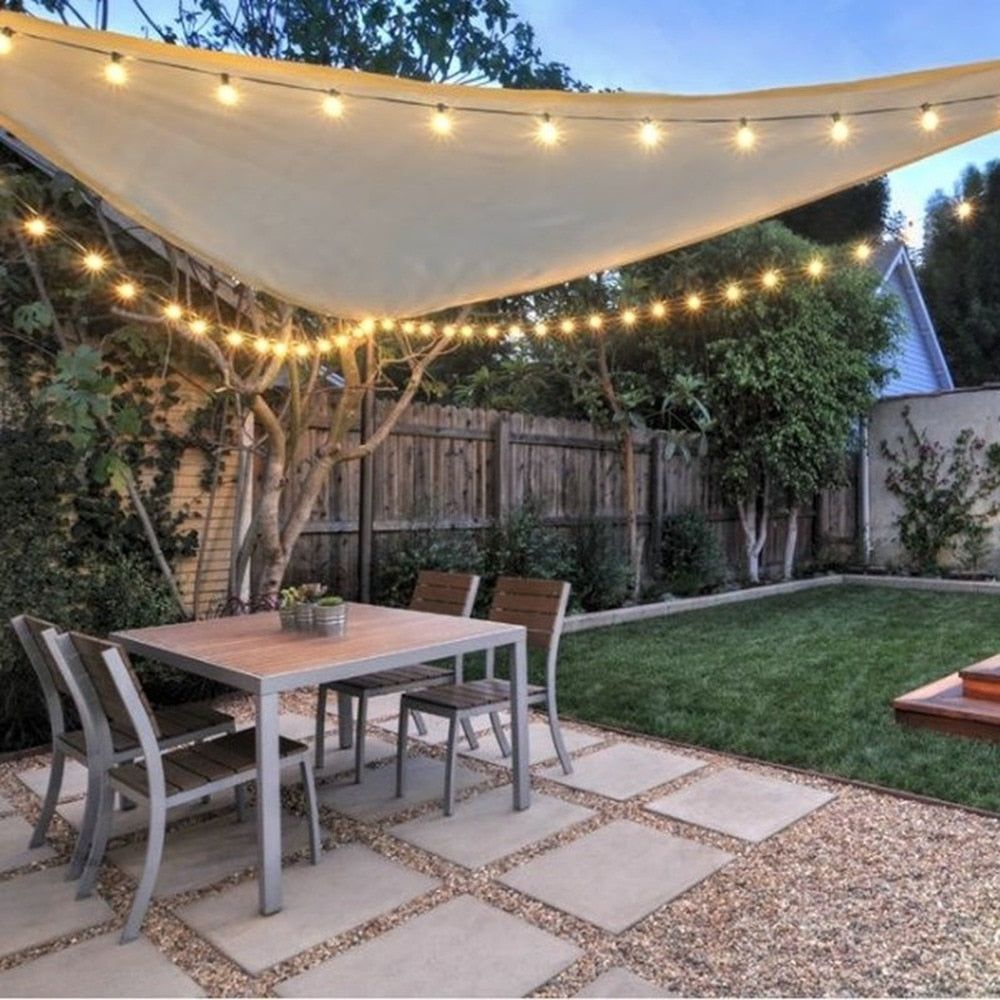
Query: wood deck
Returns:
{"type": "Point", "coordinates": [966, 703]}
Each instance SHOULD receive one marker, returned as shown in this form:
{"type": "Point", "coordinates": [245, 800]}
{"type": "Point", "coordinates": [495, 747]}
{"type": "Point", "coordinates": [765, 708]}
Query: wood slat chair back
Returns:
{"type": "Point", "coordinates": [445, 593]}
{"type": "Point", "coordinates": [538, 605]}
{"type": "Point", "coordinates": [93, 657]}
{"type": "Point", "coordinates": [29, 631]}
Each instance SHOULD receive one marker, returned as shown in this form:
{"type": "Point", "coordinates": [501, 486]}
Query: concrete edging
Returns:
{"type": "Point", "coordinates": [642, 612]}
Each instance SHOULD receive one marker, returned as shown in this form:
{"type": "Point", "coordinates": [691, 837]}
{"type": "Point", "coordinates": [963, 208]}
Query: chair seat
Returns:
{"type": "Point", "coordinates": [178, 724]}
{"type": "Point", "coordinates": [470, 695]}
{"type": "Point", "coordinates": [391, 681]}
{"type": "Point", "coordinates": [190, 768]}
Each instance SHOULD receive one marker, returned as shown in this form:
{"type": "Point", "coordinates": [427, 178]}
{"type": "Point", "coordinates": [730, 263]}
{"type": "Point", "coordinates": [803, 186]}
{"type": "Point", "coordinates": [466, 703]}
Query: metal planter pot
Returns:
{"type": "Point", "coordinates": [330, 620]}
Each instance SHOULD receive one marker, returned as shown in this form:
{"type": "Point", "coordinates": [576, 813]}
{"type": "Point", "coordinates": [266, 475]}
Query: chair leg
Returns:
{"type": "Point", "coordinates": [345, 714]}
{"type": "Point", "coordinates": [240, 791]}
{"type": "Point", "coordinates": [102, 830]}
{"type": "Point", "coordinates": [359, 740]}
{"type": "Point", "coordinates": [309, 787]}
{"type": "Point", "coordinates": [499, 733]}
{"type": "Point", "coordinates": [449, 768]}
{"type": "Point", "coordinates": [321, 727]}
{"type": "Point", "coordinates": [154, 853]}
{"type": "Point", "coordinates": [418, 721]}
{"type": "Point", "coordinates": [51, 799]}
{"type": "Point", "coordinates": [470, 734]}
{"type": "Point", "coordinates": [86, 834]}
{"type": "Point", "coordinates": [404, 720]}
{"type": "Point", "coordinates": [557, 739]}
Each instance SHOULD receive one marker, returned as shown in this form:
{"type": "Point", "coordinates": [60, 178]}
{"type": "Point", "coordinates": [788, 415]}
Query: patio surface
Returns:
{"type": "Point", "coordinates": [652, 870]}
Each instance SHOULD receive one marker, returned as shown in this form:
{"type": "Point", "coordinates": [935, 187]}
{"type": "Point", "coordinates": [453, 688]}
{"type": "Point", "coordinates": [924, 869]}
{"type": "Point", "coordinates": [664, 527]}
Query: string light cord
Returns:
{"type": "Point", "coordinates": [434, 104]}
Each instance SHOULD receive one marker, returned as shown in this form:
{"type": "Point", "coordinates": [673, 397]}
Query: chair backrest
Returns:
{"type": "Point", "coordinates": [445, 593]}
{"type": "Point", "coordinates": [28, 630]}
{"type": "Point", "coordinates": [108, 669]}
{"type": "Point", "coordinates": [538, 605]}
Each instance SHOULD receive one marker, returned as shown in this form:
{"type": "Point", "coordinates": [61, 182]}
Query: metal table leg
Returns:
{"type": "Point", "coordinates": [268, 804]}
{"type": "Point", "coordinates": [519, 725]}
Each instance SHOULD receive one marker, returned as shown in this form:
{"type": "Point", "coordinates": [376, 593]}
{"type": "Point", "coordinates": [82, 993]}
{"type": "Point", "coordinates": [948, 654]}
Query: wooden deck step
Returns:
{"type": "Point", "coordinates": [982, 680]}
{"type": "Point", "coordinates": [945, 706]}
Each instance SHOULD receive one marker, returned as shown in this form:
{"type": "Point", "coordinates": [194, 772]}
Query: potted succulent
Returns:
{"type": "Point", "coordinates": [330, 615]}
{"type": "Point", "coordinates": [286, 609]}
{"type": "Point", "coordinates": [308, 595]}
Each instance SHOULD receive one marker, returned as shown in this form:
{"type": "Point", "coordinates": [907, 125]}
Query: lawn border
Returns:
{"type": "Point", "coordinates": [661, 609]}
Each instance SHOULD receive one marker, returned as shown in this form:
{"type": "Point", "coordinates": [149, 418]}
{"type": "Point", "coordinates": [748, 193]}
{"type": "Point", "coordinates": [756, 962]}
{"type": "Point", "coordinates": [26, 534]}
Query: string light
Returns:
{"type": "Point", "coordinates": [6, 41]}
{"type": "Point", "coordinates": [441, 121]}
{"type": "Point", "coordinates": [322, 346]}
{"type": "Point", "coordinates": [693, 302]}
{"type": "Point", "coordinates": [409, 327]}
{"type": "Point", "coordinates": [816, 267]}
{"type": "Point", "coordinates": [302, 351]}
{"type": "Point", "coordinates": [840, 131]}
{"type": "Point", "coordinates": [173, 311]}
{"type": "Point", "coordinates": [547, 133]}
{"type": "Point", "coordinates": [427, 329]}
{"type": "Point", "coordinates": [342, 340]}
{"type": "Point", "coordinates": [226, 93]}
{"type": "Point", "coordinates": [467, 330]}
{"type": "Point", "coordinates": [367, 326]}
{"type": "Point", "coordinates": [234, 338]}
{"type": "Point", "coordinates": [280, 349]}
{"type": "Point", "coordinates": [746, 138]}
{"type": "Point", "coordinates": [658, 310]}
{"type": "Point", "coordinates": [769, 279]}
{"type": "Point", "coordinates": [115, 72]}
{"type": "Point", "coordinates": [629, 317]}
{"type": "Point", "coordinates": [733, 293]}
{"type": "Point", "coordinates": [388, 325]}
{"type": "Point", "coordinates": [595, 321]}
{"type": "Point", "coordinates": [198, 327]}
{"type": "Point", "coordinates": [261, 345]}
{"type": "Point", "coordinates": [650, 134]}
{"type": "Point", "coordinates": [492, 332]}
{"type": "Point", "coordinates": [862, 252]}
{"type": "Point", "coordinates": [36, 227]}
{"type": "Point", "coordinates": [333, 105]}
{"type": "Point", "coordinates": [567, 326]}
{"type": "Point", "coordinates": [964, 210]}
{"type": "Point", "coordinates": [126, 291]}
{"type": "Point", "coordinates": [541, 329]}
{"type": "Point", "coordinates": [94, 262]}
{"type": "Point", "coordinates": [929, 118]}
{"type": "Point", "coordinates": [515, 332]}
{"type": "Point", "coordinates": [449, 330]}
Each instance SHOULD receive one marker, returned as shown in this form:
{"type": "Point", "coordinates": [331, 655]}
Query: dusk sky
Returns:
{"type": "Point", "coordinates": [710, 46]}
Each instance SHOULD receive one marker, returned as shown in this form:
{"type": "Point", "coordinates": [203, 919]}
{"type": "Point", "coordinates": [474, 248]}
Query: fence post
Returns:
{"type": "Point", "coordinates": [657, 459]}
{"type": "Point", "coordinates": [503, 473]}
{"type": "Point", "coordinates": [366, 499]}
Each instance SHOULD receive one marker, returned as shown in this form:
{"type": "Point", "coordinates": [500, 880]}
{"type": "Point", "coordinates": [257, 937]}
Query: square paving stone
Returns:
{"type": "Point", "coordinates": [743, 805]}
{"type": "Point", "coordinates": [40, 907]}
{"type": "Point", "coordinates": [14, 851]}
{"type": "Point", "coordinates": [616, 875]}
{"type": "Point", "coordinates": [437, 731]}
{"type": "Point", "coordinates": [487, 826]}
{"type": "Point", "coordinates": [203, 853]}
{"type": "Point", "coordinates": [386, 706]}
{"type": "Point", "coordinates": [128, 821]}
{"type": "Point", "coordinates": [540, 742]}
{"type": "Point", "coordinates": [293, 725]}
{"type": "Point", "coordinates": [337, 761]}
{"type": "Point", "coordinates": [376, 798]}
{"type": "Point", "coordinates": [463, 948]}
{"type": "Point", "coordinates": [74, 782]}
{"type": "Point", "coordinates": [100, 967]}
{"type": "Point", "coordinates": [624, 770]}
{"type": "Point", "coordinates": [5, 807]}
{"type": "Point", "coordinates": [350, 886]}
{"type": "Point", "coordinates": [619, 982]}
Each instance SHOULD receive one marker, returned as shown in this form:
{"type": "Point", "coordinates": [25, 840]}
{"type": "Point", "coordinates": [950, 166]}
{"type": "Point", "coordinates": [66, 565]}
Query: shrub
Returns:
{"type": "Point", "coordinates": [397, 569]}
{"type": "Point", "coordinates": [601, 574]}
{"type": "Point", "coordinates": [692, 561]}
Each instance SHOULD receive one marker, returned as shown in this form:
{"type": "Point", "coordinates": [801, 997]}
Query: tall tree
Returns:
{"type": "Point", "coordinates": [858, 213]}
{"type": "Point", "coordinates": [960, 277]}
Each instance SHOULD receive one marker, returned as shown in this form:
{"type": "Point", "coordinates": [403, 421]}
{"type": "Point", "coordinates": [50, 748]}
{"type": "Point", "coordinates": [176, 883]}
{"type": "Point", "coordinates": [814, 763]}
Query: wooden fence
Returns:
{"type": "Point", "coordinates": [454, 469]}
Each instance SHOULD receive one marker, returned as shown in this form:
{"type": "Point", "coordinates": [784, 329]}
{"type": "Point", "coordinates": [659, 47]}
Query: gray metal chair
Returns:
{"type": "Point", "coordinates": [163, 779]}
{"type": "Point", "coordinates": [436, 592]}
{"type": "Point", "coordinates": [539, 605]}
{"type": "Point", "coordinates": [177, 726]}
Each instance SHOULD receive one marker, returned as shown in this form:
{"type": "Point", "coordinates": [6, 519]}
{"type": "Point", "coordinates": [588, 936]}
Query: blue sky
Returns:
{"type": "Point", "coordinates": [705, 46]}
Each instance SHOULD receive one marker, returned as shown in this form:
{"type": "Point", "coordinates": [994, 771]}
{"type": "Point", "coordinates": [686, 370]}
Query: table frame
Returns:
{"type": "Point", "coordinates": [268, 688]}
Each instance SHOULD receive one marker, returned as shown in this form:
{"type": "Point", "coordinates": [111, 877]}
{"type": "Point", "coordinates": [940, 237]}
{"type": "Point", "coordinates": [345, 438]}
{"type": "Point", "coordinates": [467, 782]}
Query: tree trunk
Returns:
{"type": "Point", "coordinates": [632, 509]}
{"type": "Point", "coordinates": [754, 513]}
{"type": "Point", "coordinates": [791, 538]}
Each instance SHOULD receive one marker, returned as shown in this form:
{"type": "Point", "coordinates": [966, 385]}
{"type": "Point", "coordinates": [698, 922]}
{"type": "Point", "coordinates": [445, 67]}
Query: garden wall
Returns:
{"type": "Point", "coordinates": [943, 415]}
{"type": "Point", "coordinates": [463, 469]}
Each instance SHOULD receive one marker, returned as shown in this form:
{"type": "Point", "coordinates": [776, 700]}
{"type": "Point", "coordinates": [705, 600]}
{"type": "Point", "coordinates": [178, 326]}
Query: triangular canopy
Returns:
{"type": "Point", "coordinates": [372, 213]}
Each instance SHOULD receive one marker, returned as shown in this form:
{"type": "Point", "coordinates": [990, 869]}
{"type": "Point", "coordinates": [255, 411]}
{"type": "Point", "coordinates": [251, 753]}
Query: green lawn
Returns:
{"type": "Point", "coordinates": [805, 680]}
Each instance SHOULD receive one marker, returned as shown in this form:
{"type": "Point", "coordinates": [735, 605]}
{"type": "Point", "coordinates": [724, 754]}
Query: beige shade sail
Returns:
{"type": "Point", "coordinates": [374, 214]}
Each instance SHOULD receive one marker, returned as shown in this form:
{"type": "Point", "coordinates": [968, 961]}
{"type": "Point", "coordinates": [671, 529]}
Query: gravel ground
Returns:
{"type": "Point", "coordinates": [872, 894]}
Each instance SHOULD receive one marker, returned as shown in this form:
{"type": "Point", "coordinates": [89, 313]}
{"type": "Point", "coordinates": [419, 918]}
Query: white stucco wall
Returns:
{"type": "Point", "coordinates": [944, 415]}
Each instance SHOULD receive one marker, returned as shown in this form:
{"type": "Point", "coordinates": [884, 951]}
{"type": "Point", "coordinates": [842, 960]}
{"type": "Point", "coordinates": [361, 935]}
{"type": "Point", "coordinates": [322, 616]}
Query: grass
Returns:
{"type": "Point", "coordinates": [806, 680]}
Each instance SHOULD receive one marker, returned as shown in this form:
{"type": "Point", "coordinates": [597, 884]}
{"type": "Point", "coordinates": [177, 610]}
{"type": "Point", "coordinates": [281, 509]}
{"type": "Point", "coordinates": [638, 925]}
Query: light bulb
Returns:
{"type": "Point", "coordinates": [94, 262]}
{"type": "Point", "coordinates": [333, 105]}
{"type": "Point", "coordinates": [262, 345]}
{"type": "Point", "coordinates": [367, 326]}
{"type": "Point", "coordinates": [322, 345]}
{"type": "Point", "coordinates": [198, 327]}
{"type": "Point", "coordinates": [234, 338]}
{"type": "Point", "coordinates": [594, 321]}
{"type": "Point", "coordinates": [746, 138]}
{"type": "Point", "coordinates": [629, 317]}
{"type": "Point", "coordinates": [409, 327]}
{"type": "Point", "coordinates": [441, 121]}
{"type": "Point", "coordinates": [964, 210]}
{"type": "Point", "coordinates": [449, 330]}
{"type": "Point", "coordinates": [227, 94]}
{"type": "Point", "coordinates": [547, 133]}
{"type": "Point", "coordinates": [650, 134]}
{"type": "Point", "coordinates": [427, 329]}
{"type": "Point", "coordinates": [929, 118]}
{"type": "Point", "coordinates": [492, 332]}
{"type": "Point", "coordinates": [693, 302]}
{"type": "Point", "coordinates": [173, 311]}
{"type": "Point", "coordinates": [840, 131]}
{"type": "Point", "coordinates": [769, 279]}
{"type": "Point", "coordinates": [6, 41]}
{"type": "Point", "coordinates": [862, 252]}
{"type": "Point", "coordinates": [567, 326]}
{"type": "Point", "coordinates": [280, 349]}
{"type": "Point", "coordinates": [302, 350]}
{"type": "Point", "coordinates": [388, 325]}
{"type": "Point", "coordinates": [342, 340]}
{"type": "Point", "coordinates": [733, 292]}
{"type": "Point", "coordinates": [467, 330]}
{"type": "Point", "coordinates": [658, 310]}
{"type": "Point", "coordinates": [816, 267]}
{"type": "Point", "coordinates": [126, 290]}
{"type": "Point", "coordinates": [115, 72]}
{"type": "Point", "coordinates": [37, 227]}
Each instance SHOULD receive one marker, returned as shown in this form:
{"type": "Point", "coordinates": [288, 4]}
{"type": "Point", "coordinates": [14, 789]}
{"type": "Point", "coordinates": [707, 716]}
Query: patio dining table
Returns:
{"type": "Point", "coordinates": [252, 653]}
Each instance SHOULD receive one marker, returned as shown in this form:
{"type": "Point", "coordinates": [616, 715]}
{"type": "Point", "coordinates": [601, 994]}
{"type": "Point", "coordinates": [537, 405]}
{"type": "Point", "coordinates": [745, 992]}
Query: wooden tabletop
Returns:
{"type": "Point", "coordinates": [252, 652]}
